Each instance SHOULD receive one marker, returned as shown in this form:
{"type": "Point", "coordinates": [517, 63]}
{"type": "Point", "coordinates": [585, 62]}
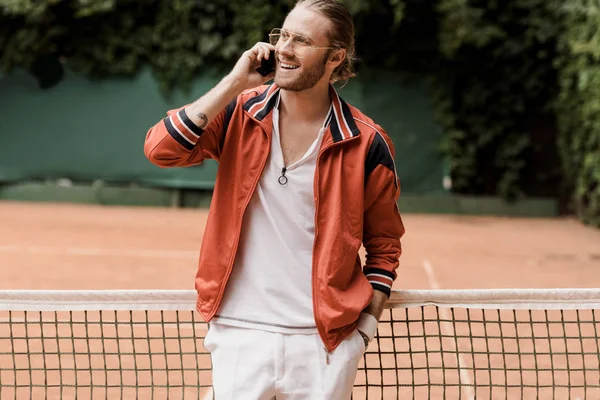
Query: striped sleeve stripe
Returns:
{"type": "Point", "coordinates": [379, 277]}
{"type": "Point", "coordinates": [380, 280]}
{"type": "Point", "coordinates": [189, 125]}
{"type": "Point", "coordinates": [177, 135]}
{"type": "Point", "coordinates": [378, 271]}
{"type": "Point", "coordinates": [183, 130]}
{"type": "Point", "coordinates": [382, 288]}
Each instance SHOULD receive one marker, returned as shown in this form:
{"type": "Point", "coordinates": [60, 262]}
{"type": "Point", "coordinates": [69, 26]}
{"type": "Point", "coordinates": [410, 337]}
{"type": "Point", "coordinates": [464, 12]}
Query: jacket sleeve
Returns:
{"type": "Point", "coordinates": [176, 141]}
{"type": "Point", "coordinates": [383, 227]}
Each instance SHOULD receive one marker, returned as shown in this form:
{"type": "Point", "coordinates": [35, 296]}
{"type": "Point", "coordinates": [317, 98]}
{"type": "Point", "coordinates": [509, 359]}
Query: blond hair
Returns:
{"type": "Point", "coordinates": [341, 33]}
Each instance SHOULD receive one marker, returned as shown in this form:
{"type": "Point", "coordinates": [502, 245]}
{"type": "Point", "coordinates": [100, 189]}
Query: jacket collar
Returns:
{"type": "Point", "coordinates": [340, 121]}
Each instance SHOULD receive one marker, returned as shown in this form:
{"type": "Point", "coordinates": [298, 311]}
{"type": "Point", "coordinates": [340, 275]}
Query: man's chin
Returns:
{"type": "Point", "coordinates": [290, 86]}
{"type": "Point", "coordinates": [284, 83]}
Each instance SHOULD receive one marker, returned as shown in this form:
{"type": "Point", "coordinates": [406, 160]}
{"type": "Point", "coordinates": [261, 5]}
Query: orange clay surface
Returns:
{"type": "Point", "coordinates": [65, 246]}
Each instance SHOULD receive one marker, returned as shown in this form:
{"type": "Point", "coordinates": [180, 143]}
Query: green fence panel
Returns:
{"type": "Point", "coordinates": [87, 130]}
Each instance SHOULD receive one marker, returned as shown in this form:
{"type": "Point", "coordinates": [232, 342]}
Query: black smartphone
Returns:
{"type": "Point", "coordinates": [267, 66]}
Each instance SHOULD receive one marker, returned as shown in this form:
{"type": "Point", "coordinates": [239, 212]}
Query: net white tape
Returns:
{"type": "Point", "coordinates": [430, 344]}
{"type": "Point", "coordinates": [511, 299]}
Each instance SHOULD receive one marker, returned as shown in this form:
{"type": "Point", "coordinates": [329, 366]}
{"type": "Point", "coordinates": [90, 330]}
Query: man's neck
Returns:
{"type": "Point", "coordinates": [309, 105]}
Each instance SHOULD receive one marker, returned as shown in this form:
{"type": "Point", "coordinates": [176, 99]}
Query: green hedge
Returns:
{"type": "Point", "coordinates": [578, 105]}
{"type": "Point", "coordinates": [101, 38]}
{"type": "Point", "coordinates": [495, 83]}
{"type": "Point", "coordinates": [515, 82]}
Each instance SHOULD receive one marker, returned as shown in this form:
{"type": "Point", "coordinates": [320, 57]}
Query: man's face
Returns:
{"type": "Point", "coordinates": [295, 73]}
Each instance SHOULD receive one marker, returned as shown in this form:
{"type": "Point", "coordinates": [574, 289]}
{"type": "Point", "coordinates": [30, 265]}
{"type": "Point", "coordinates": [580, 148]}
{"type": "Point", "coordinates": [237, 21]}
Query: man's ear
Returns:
{"type": "Point", "coordinates": [337, 57]}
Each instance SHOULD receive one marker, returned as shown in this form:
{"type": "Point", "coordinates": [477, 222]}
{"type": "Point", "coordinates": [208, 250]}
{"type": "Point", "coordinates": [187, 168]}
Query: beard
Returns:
{"type": "Point", "coordinates": [306, 80]}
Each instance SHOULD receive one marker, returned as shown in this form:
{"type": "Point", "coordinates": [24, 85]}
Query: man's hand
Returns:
{"type": "Point", "coordinates": [377, 305]}
{"type": "Point", "coordinates": [367, 322]}
{"type": "Point", "coordinates": [244, 72]}
{"type": "Point", "coordinates": [243, 76]}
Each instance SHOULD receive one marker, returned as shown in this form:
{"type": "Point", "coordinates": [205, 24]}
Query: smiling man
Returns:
{"type": "Point", "coordinates": [304, 180]}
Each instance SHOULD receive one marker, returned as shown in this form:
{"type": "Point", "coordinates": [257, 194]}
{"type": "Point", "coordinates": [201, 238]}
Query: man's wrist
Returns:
{"type": "Point", "coordinates": [233, 84]}
{"type": "Point", "coordinates": [365, 338]}
{"type": "Point", "coordinates": [367, 325]}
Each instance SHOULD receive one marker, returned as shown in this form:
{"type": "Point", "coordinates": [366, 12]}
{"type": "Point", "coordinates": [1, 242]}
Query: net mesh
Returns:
{"type": "Point", "coordinates": [430, 344]}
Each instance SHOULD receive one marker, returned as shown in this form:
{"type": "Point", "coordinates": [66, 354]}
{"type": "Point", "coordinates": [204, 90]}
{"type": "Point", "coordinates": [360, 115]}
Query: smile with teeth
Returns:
{"type": "Point", "coordinates": [288, 66]}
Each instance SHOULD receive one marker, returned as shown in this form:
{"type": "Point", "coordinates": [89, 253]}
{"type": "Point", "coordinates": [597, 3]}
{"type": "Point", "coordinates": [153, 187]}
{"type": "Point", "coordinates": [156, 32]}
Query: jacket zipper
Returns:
{"type": "Point", "coordinates": [239, 228]}
{"type": "Point", "coordinates": [316, 189]}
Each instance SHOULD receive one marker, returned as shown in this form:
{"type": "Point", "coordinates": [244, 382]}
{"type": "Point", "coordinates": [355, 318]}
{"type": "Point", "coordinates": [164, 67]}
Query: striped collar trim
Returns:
{"type": "Point", "coordinates": [261, 105]}
{"type": "Point", "coordinates": [341, 122]}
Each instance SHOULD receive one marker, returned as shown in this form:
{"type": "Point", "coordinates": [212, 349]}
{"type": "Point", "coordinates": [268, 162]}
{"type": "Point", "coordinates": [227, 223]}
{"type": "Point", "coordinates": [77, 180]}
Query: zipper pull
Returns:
{"type": "Point", "coordinates": [326, 355]}
{"type": "Point", "coordinates": [283, 180]}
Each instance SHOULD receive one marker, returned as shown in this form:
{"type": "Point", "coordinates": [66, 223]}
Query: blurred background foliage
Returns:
{"type": "Point", "coordinates": [516, 83]}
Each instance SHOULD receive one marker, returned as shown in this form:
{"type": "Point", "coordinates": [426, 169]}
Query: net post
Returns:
{"type": "Point", "coordinates": [147, 322]}
{"type": "Point", "coordinates": [28, 356]}
{"type": "Point", "coordinates": [73, 349]}
{"type": "Point", "coordinates": [135, 367]}
{"type": "Point", "coordinates": [562, 320]}
{"type": "Point", "coordinates": [551, 355]}
{"type": "Point", "coordinates": [103, 347]}
{"type": "Point", "coordinates": [582, 351]}
{"type": "Point", "coordinates": [43, 357]}
{"type": "Point", "coordinates": [412, 364]}
{"type": "Point", "coordinates": [58, 353]}
{"type": "Point", "coordinates": [88, 347]}
{"type": "Point", "coordinates": [422, 308]}
{"type": "Point", "coordinates": [518, 349]}
{"type": "Point", "coordinates": [535, 357]}
{"type": "Point", "coordinates": [180, 356]}
{"type": "Point", "coordinates": [441, 351]}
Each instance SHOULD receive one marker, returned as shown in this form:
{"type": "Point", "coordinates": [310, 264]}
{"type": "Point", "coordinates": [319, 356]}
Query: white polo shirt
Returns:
{"type": "Point", "coordinates": [270, 287]}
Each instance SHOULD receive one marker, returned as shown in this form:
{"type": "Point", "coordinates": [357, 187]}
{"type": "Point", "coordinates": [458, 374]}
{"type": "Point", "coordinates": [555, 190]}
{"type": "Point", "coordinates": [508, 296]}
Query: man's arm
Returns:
{"type": "Point", "coordinates": [377, 305]}
{"type": "Point", "coordinates": [383, 229]}
{"type": "Point", "coordinates": [369, 318]}
{"type": "Point", "coordinates": [206, 108]}
{"type": "Point", "coordinates": [243, 76]}
{"type": "Point", "coordinates": [189, 135]}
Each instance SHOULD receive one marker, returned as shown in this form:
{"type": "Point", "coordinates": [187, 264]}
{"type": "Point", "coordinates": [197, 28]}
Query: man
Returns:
{"type": "Point", "coordinates": [304, 179]}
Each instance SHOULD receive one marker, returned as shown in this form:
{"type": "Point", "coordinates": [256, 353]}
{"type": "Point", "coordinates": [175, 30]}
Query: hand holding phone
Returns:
{"type": "Point", "coordinates": [249, 72]}
{"type": "Point", "coordinates": [267, 66]}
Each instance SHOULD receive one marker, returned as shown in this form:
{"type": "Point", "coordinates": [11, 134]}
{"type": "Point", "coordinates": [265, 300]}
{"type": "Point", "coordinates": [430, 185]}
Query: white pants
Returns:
{"type": "Point", "coordinates": [258, 365]}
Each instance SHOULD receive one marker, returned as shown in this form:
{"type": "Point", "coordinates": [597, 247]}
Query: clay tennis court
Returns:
{"type": "Point", "coordinates": [66, 246]}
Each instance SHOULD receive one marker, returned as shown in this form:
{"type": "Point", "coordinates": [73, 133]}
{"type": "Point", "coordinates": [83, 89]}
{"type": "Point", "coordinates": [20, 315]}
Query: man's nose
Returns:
{"type": "Point", "coordinates": [287, 48]}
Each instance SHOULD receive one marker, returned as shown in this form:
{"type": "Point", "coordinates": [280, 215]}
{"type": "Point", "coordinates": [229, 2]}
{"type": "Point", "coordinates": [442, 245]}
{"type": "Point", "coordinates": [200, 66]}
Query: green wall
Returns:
{"type": "Point", "coordinates": [94, 130]}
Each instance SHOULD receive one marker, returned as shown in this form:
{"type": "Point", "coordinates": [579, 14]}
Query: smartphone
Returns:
{"type": "Point", "coordinates": [267, 66]}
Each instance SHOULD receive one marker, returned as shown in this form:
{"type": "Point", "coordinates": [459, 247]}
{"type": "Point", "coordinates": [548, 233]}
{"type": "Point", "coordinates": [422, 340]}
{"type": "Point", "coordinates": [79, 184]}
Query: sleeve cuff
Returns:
{"type": "Point", "coordinates": [380, 279]}
{"type": "Point", "coordinates": [367, 324]}
{"type": "Point", "coordinates": [182, 129]}
{"type": "Point", "coordinates": [382, 288]}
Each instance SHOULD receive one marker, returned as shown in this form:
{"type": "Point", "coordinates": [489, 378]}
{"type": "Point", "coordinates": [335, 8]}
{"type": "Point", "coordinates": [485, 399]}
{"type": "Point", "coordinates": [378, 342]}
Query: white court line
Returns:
{"type": "Point", "coordinates": [433, 284]}
{"type": "Point", "coordinates": [464, 375]}
{"type": "Point", "coordinates": [99, 252]}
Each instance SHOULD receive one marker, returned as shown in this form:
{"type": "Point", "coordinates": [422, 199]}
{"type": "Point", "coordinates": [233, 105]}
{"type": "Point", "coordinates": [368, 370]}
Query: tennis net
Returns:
{"type": "Point", "coordinates": [442, 344]}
